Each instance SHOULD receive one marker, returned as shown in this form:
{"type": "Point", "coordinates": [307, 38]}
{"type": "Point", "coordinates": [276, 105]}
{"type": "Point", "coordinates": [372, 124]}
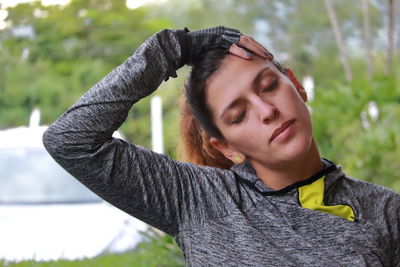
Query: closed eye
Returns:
{"type": "Point", "coordinates": [239, 118]}
{"type": "Point", "coordinates": [271, 86]}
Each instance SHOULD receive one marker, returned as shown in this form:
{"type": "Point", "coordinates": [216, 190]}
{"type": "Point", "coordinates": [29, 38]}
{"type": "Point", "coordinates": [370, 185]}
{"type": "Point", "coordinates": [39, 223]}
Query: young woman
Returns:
{"type": "Point", "coordinates": [266, 197]}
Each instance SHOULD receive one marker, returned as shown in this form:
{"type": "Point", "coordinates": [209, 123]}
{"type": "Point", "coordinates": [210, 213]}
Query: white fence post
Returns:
{"type": "Point", "coordinates": [156, 125]}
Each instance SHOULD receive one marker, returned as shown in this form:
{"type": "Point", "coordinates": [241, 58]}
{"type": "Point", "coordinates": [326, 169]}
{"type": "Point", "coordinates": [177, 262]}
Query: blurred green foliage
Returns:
{"type": "Point", "coordinates": [348, 133]}
{"type": "Point", "coordinates": [74, 46]}
{"type": "Point", "coordinates": [71, 47]}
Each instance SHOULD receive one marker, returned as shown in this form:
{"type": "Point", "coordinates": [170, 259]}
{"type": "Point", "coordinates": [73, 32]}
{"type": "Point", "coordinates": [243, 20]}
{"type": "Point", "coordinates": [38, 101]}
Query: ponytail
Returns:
{"type": "Point", "coordinates": [196, 146]}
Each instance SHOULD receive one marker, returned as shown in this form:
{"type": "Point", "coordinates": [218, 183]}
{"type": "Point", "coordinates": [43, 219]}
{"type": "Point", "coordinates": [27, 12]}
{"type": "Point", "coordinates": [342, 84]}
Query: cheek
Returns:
{"type": "Point", "coordinates": [244, 138]}
{"type": "Point", "coordinates": [297, 104]}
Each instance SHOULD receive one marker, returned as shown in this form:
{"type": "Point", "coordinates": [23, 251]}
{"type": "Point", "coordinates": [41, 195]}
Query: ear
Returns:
{"type": "Point", "coordinates": [297, 84]}
{"type": "Point", "coordinates": [226, 149]}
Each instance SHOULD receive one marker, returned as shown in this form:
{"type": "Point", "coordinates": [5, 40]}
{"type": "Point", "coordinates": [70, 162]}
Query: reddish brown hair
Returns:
{"type": "Point", "coordinates": [196, 146]}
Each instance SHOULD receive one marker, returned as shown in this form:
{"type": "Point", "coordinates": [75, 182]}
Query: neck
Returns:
{"type": "Point", "coordinates": [288, 173]}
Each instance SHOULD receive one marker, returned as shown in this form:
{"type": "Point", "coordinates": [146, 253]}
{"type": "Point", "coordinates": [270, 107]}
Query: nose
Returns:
{"type": "Point", "coordinates": [266, 111]}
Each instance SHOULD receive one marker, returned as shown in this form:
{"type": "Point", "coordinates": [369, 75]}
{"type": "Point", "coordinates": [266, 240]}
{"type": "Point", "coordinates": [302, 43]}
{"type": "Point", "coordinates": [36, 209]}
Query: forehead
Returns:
{"type": "Point", "coordinates": [234, 77]}
{"type": "Point", "coordinates": [235, 70]}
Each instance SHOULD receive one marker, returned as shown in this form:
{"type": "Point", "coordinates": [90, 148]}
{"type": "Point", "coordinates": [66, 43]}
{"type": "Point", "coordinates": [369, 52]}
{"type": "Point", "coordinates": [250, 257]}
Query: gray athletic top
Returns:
{"type": "Point", "coordinates": [218, 217]}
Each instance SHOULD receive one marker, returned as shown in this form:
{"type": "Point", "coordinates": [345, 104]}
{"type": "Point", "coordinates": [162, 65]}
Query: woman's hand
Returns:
{"type": "Point", "coordinates": [231, 40]}
{"type": "Point", "coordinates": [200, 41]}
{"type": "Point", "coordinates": [249, 43]}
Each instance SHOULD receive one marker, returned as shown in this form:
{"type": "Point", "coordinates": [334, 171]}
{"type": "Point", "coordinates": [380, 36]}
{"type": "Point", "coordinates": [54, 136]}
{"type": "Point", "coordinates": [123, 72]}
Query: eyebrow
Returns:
{"type": "Point", "coordinates": [254, 84]}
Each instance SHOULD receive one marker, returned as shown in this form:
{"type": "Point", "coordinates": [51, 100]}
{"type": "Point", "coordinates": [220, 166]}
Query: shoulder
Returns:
{"type": "Point", "coordinates": [376, 205]}
{"type": "Point", "coordinates": [339, 185]}
{"type": "Point", "coordinates": [378, 212]}
{"type": "Point", "coordinates": [373, 199]}
{"type": "Point", "coordinates": [369, 190]}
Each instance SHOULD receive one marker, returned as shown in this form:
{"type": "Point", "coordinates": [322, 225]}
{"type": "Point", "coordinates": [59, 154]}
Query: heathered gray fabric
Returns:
{"type": "Point", "coordinates": [215, 220]}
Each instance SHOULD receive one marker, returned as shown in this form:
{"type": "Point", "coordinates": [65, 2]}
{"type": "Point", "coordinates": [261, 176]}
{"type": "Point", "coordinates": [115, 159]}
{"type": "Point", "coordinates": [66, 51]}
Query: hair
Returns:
{"type": "Point", "coordinates": [196, 125]}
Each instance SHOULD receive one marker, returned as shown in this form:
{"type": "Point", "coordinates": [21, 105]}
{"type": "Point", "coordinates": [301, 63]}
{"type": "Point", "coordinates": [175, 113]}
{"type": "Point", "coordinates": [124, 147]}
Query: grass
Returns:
{"type": "Point", "coordinates": [111, 260]}
{"type": "Point", "coordinates": [157, 251]}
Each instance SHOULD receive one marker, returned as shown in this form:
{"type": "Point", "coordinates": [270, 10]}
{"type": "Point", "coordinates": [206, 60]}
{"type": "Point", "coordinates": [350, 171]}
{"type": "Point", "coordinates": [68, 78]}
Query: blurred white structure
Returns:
{"type": "Point", "coordinates": [156, 125]}
{"type": "Point", "coordinates": [34, 120]}
{"type": "Point", "coordinates": [45, 213]}
{"type": "Point", "coordinates": [308, 84]}
{"type": "Point", "coordinates": [132, 4]}
{"type": "Point", "coordinates": [369, 116]}
{"type": "Point", "coordinates": [373, 110]}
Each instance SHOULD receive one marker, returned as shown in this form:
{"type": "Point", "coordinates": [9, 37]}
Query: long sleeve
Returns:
{"type": "Point", "coordinates": [149, 186]}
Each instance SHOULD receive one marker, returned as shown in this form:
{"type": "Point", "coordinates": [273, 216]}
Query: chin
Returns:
{"type": "Point", "coordinates": [298, 148]}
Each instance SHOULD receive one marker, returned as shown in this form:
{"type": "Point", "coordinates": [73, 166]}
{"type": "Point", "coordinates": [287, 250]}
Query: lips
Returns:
{"type": "Point", "coordinates": [280, 129]}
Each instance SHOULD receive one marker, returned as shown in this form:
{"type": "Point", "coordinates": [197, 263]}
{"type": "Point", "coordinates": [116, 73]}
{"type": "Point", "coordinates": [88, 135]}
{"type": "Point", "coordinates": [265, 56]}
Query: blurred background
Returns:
{"type": "Point", "coordinates": [345, 52]}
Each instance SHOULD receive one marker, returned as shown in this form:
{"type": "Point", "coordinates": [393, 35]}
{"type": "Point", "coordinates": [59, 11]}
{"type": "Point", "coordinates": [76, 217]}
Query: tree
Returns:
{"type": "Point", "coordinates": [339, 40]}
{"type": "Point", "coordinates": [367, 39]}
{"type": "Point", "coordinates": [390, 33]}
{"type": "Point", "coordinates": [75, 46]}
{"type": "Point", "coordinates": [71, 48]}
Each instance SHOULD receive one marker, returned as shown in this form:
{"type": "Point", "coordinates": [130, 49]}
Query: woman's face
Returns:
{"type": "Point", "coordinates": [259, 112]}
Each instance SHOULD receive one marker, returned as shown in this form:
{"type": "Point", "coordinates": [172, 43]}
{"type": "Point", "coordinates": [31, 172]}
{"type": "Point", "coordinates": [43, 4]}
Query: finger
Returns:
{"type": "Point", "coordinates": [238, 51]}
{"type": "Point", "coordinates": [251, 44]}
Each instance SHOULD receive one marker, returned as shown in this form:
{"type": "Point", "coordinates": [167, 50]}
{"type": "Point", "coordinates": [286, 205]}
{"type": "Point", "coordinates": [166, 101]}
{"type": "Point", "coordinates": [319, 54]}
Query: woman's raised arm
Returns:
{"type": "Point", "coordinates": [152, 187]}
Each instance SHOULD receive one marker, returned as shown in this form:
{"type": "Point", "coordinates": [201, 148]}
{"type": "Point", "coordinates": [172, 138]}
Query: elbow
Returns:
{"type": "Point", "coordinates": [61, 143]}
{"type": "Point", "coordinates": [57, 145]}
{"type": "Point", "coordinates": [50, 140]}
{"type": "Point", "coordinates": [55, 141]}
